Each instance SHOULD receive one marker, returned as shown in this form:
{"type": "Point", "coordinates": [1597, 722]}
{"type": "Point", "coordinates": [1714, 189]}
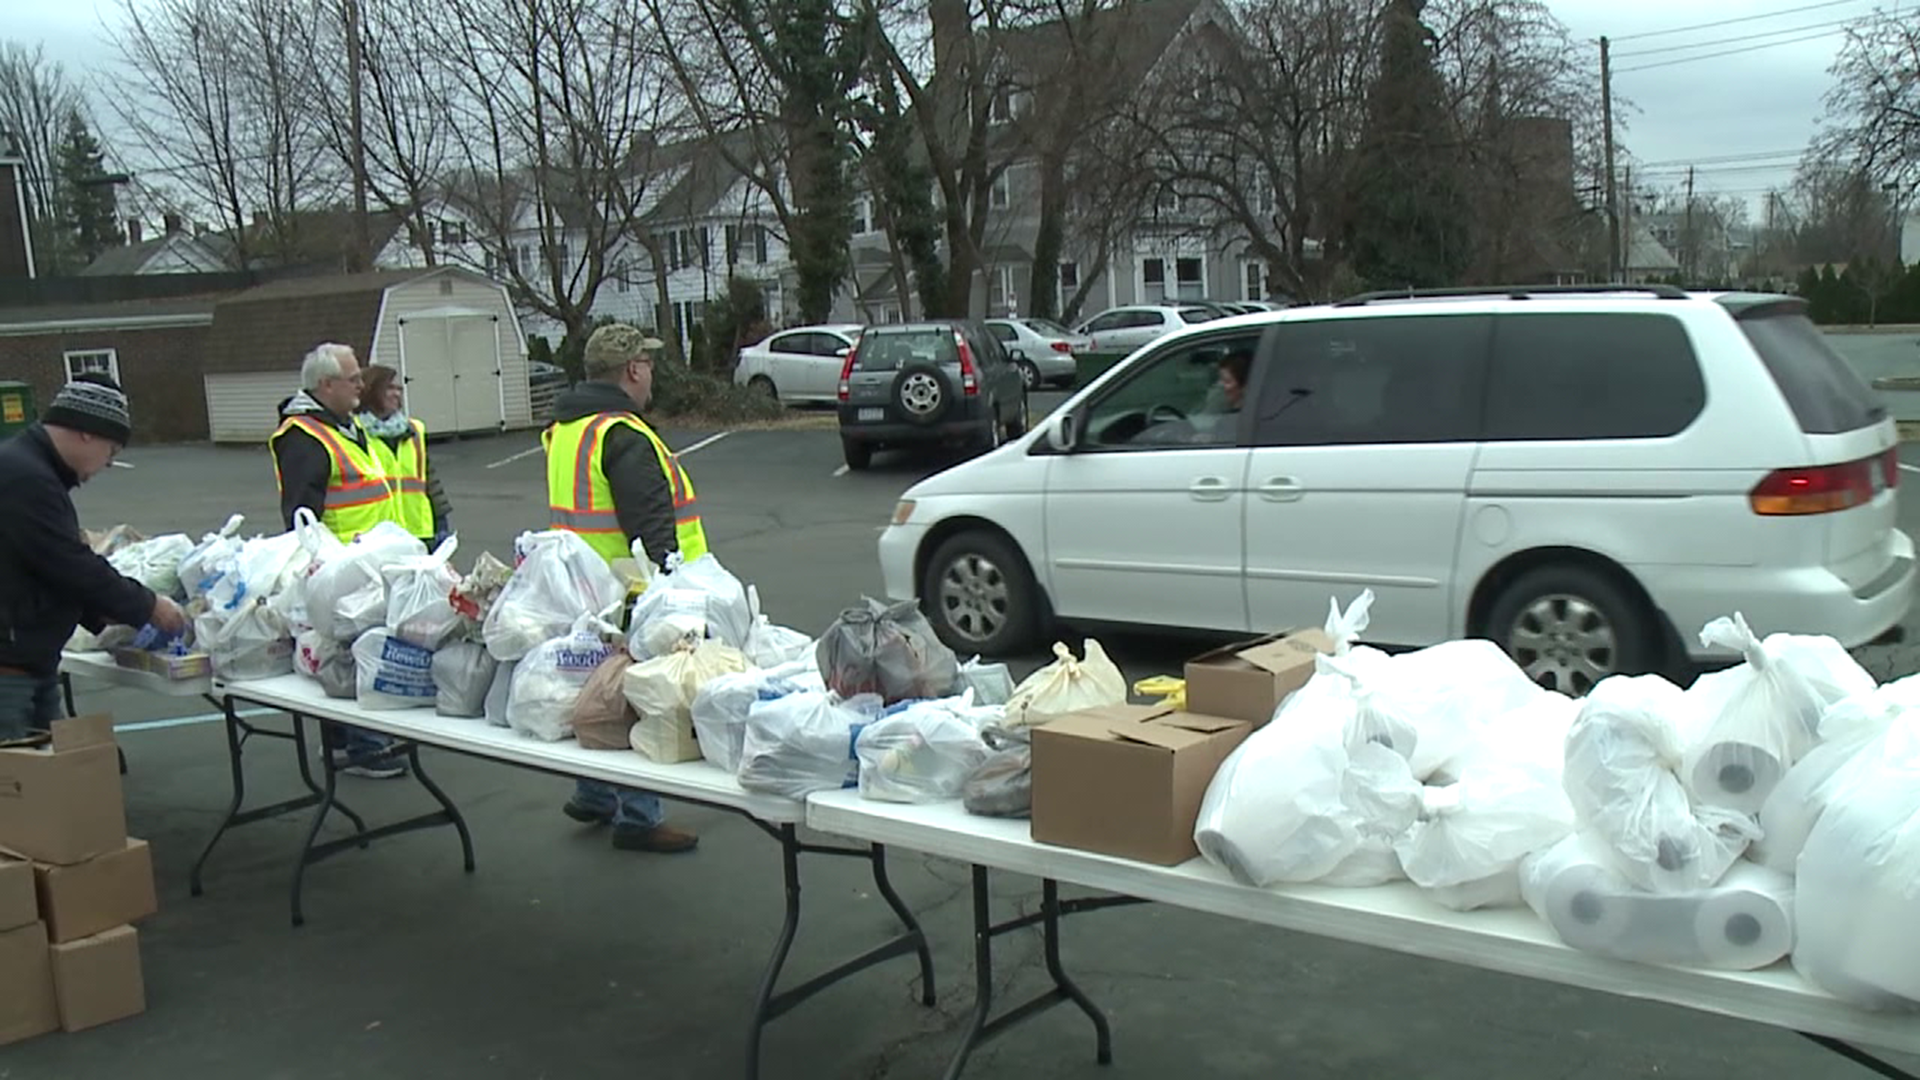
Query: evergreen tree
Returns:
{"type": "Point", "coordinates": [1407, 221]}
{"type": "Point", "coordinates": [89, 212]}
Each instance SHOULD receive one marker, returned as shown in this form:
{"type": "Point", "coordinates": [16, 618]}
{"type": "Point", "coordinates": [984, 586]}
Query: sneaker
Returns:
{"type": "Point", "coordinates": [659, 839]}
{"type": "Point", "coordinates": [379, 765]}
{"type": "Point", "coordinates": [587, 815]}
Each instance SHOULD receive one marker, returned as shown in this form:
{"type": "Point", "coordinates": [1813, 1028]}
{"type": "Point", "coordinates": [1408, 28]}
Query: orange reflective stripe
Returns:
{"type": "Point", "coordinates": [583, 458]}
{"type": "Point", "coordinates": [343, 466]}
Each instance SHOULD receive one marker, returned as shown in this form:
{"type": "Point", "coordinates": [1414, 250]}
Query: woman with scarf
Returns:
{"type": "Point", "coordinates": [401, 442]}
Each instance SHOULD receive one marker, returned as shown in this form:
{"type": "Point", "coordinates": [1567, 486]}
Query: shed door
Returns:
{"type": "Point", "coordinates": [474, 349]}
{"type": "Point", "coordinates": [427, 363]}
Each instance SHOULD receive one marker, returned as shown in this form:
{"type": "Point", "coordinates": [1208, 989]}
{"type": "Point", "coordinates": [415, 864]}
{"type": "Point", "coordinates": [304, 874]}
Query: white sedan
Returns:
{"type": "Point", "coordinates": [801, 364]}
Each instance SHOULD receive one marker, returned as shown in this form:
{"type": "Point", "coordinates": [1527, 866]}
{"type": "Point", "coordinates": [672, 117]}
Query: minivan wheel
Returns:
{"type": "Point", "coordinates": [1568, 627]}
{"type": "Point", "coordinates": [980, 596]}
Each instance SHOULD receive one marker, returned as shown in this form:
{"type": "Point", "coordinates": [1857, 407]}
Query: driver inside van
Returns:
{"type": "Point", "coordinates": [1214, 424]}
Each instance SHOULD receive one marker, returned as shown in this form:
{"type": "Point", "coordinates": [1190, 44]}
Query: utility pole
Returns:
{"type": "Point", "coordinates": [1606, 122]}
{"type": "Point", "coordinates": [362, 257]}
{"type": "Point", "coordinates": [1626, 226]}
{"type": "Point", "coordinates": [1692, 259]}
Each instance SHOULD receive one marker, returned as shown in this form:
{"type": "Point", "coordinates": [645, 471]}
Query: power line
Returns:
{"type": "Point", "coordinates": [1727, 52]}
{"type": "Point", "coordinates": [1748, 156]}
{"type": "Point", "coordinates": [1730, 22]}
{"type": "Point", "coordinates": [1736, 40]}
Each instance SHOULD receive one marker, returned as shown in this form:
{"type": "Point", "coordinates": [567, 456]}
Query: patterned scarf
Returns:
{"type": "Point", "coordinates": [393, 427]}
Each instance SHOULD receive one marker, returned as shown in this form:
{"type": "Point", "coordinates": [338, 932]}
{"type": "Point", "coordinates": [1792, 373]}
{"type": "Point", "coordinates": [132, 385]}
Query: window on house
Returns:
{"type": "Point", "coordinates": [1003, 298]}
{"type": "Point", "coordinates": [1255, 275]}
{"type": "Point", "coordinates": [862, 217]}
{"type": "Point", "coordinates": [453, 232]}
{"type": "Point", "coordinates": [562, 257]}
{"type": "Point", "coordinates": [759, 243]}
{"type": "Point", "coordinates": [620, 276]}
{"type": "Point", "coordinates": [432, 233]}
{"type": "Point", "coordinates": [525, 252]}
{"type": "Point", "coordinates": [1153, 273]}
{"type": "Point", "coordinates": [1191, 277]}
{"type": "Point", "coordinates": [1069, 282]}
{"type": "Point", "coordinates": [492, 264]}
{"type": "Point", "coordinates": [103, 361]}
{"type": "Point", "coordinates": [1002, 110]}
{"type": "Point", "coordinates": [730, 235]}
{"type": "Point", "coordinates": [1167, 202]}
{"type": "Point", "coordinates": [1002, 195]}
{"type": "Point", "coordinates": [704, 237]}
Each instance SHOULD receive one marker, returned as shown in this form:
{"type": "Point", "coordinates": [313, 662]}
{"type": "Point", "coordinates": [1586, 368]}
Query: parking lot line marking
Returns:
{"type": "Point", "coordinates": [1909, 468]}
{"type": "Point", "coordinates": [187, 721]}
{"type": "Point", "coordinates": [121, 464]}
{"type": "Point", "coordinates": [704, 443]}
{"type": "Point", "coordinates": [841, 471]}
{"type": "Point", "coordinates": [529, 452]}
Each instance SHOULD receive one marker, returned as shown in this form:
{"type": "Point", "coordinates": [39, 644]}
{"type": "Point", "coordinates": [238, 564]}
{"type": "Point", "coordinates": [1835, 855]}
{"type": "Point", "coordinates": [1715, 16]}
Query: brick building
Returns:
{"type": "Point", "coordinates": [152, 347]}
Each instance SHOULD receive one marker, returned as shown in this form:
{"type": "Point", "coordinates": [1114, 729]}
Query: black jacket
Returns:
{"type": "Point", "coordinates": [436, 495]}
{"type": "Point", "coordinates": [641, 498]}
{"type": "Point", "coordinates": [304, 464]}
{"type": "Point", "coordinates": [50, 580]}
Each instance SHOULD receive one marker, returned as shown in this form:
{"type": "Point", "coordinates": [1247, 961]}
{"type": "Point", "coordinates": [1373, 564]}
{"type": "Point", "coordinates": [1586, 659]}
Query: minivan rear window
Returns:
{"type": "Point", "coordinates": [892, 350]}
{"type": "Point", "coordinates": [1827, 396]}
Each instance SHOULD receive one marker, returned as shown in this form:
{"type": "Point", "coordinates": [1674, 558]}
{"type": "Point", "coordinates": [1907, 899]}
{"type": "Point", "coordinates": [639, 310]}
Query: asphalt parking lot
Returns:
{"type": "Point", "coordinates": [562, 958]}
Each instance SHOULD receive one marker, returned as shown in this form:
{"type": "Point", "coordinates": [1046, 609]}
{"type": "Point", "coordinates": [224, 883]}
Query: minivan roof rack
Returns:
{"type": "Point", "coordinates": [1512, 292]}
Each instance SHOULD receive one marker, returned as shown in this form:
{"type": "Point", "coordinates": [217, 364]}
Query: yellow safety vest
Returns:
{"type": "Point", "coordinates": [582, 501]}
{"type": "Point", "coordinates": [407, 466]}
{"type": "Point", "coordinates": [360, 494]}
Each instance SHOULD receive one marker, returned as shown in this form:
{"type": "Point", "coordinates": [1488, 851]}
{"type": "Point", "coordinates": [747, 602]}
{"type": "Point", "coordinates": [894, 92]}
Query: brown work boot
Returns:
{"type": "Point", "coordinates": [660, 839]}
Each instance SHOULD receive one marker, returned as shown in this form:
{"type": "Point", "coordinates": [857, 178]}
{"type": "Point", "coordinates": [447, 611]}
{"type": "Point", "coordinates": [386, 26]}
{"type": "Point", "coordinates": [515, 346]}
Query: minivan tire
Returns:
{"type": "Point", "coordinates": [979, 578]}
{"type": "Point", "coordinates": [1569, 626]}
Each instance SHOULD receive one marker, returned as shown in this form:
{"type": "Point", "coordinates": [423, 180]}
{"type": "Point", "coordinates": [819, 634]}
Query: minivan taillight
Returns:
{"type": "Point", "coordinates": [969, 379]}
{"type": "Point", "coordinates": [1824, 489]}
{"type": "Point", "coordinates": [846, 375]}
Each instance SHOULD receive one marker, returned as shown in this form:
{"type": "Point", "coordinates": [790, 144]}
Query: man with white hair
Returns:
{"type": "Point", "coordinates": [324, 461]}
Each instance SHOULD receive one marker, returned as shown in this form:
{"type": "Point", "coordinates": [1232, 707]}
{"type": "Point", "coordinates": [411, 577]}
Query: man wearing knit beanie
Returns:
{"type": "Point", "coordinates": [50, 581]}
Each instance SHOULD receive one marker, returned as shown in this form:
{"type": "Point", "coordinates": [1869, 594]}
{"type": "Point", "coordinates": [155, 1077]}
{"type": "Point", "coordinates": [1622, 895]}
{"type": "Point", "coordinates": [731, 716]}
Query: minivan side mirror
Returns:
{"type": "Point", "coordinates": [1061, 433]}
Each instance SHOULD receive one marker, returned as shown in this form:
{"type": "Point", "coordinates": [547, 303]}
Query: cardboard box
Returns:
{"type": "Point", "coordinates": [27, 1006]}
{"type": "Point", "coordinates": [194, 665]}
{"type": "Point", "coordinates": [18, 907]}
{"type": "Point", "coordinates": [97, 980]}
{"type": "Point", "coordinates": [1248, 680]}
{"type": "Point", "coordinates": [97, 895]}
{"type": "Point", "coordinates": [1127, 780]}
{"type": "Point", "coordinates": [60, 799]}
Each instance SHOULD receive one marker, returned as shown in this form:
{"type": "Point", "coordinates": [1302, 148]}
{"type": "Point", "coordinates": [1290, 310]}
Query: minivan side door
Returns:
{"type": "Point", "coordinates": [1364, 439]}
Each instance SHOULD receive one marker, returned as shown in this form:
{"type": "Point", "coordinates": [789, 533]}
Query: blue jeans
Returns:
{"type": "Point", "coordinates": [28, 704]}
{"type": "Point", "coordinates": [356, 741]}
{"type": "Point", "coordinates": [629, 807]}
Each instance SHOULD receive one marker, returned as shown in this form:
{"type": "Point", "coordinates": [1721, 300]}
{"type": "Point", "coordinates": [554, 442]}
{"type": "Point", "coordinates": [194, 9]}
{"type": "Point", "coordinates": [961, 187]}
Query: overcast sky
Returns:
{"type": "Point", "coordinates": [1695, 108]}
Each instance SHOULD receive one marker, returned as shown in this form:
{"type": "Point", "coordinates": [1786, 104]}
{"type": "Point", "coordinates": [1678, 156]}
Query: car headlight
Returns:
{"type": "Point", "coordinates": [902, 511]}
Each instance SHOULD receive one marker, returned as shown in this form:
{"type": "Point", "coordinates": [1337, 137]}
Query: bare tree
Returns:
{"type": "Point", "coordinates": [35, 100]}
{"type": "Point", "coordinates": [1873, 109]}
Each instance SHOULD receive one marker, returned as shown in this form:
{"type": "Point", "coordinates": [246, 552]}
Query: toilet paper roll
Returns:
{"type": "Point", "coordinates": [1734, 774]}
{"type": "Point", "coordinates": [1746, 922]}
{"type": "Point", "coordinates": [1502, 890]}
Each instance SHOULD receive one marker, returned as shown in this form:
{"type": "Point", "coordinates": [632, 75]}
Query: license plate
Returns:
{"type": "Point", "coordinates": [873, 414]}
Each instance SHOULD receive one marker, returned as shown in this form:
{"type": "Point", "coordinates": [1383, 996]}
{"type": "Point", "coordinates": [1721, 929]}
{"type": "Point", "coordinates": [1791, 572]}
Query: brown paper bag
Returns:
{"type": "Point", "coordinates": [602, 719]}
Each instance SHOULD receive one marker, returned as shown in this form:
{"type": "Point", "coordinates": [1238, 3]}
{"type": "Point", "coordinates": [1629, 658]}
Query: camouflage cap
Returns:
{"type": "Point", "coordinates": [612, 346]}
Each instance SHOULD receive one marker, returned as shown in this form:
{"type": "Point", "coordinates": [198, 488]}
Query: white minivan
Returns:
{"type": "Point", "coordinates": [1585, 477]}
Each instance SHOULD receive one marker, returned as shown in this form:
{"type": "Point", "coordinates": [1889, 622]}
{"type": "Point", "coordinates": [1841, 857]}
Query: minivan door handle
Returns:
{"type": "Point", "coordinates": [1281, 489]}
{"type": "Point", "coordinates": [1210, 489]}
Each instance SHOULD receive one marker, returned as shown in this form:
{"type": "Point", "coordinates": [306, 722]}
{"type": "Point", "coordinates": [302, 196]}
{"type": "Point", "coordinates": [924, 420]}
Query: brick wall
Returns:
{"type": "Point", "coordinates": [159, 369]}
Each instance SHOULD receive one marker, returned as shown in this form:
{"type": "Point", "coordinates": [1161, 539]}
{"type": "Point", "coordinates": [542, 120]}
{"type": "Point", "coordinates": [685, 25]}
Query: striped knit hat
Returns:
{"type": "Point", "coordinates": [94, 404]}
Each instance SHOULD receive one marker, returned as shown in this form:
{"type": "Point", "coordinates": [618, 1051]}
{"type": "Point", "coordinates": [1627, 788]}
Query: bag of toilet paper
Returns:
{"type": "Point", "coordinates": [1852, 734]}
{"type": "Point", "coordinates": [1477, 830]}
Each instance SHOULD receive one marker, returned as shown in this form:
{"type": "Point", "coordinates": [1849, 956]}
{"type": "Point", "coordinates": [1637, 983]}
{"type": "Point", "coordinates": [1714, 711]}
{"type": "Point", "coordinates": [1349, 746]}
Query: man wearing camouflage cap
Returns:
{"type": "Point", "coordinates": [611, 480]}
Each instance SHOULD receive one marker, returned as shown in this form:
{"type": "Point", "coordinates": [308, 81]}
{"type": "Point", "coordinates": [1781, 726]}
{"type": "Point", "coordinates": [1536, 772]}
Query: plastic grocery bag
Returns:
{"type": "Point", "coordinates": [1750, 723]}
{"type": "Point", "coordinates": [1274, 810]}
{"type": "Point", "coordinates": [346, 596]}
{"type": "Point", "coordinates": [602, 719]}
{"type": "Point", "coordinates": [464, 673]}
{"type": "Point", "coordinates": [420, 597]}
{"type": "Point", "coordinates": [1622, 777]}
{"type": "Point", "coordinates": [1345, 627]}
{"type": "Point", "coordinates": [311, 652]}
{"type": "Point", "coordinates": [992, 684]}
{"type": "Point", "coordinates": [922, 753]}
{"type": "Point", "coordinates": [719, 711]}
{"type": "Point", "coordinates": [699, 593]}
{"type": "Point", "coordinates": [804, 742]}
{"type": "Point", "coordinates": [559, 579]}
{"type": "Point", "coordinates": [250, 642]}
{"type": "Point", "coordinates": [475, 594]}
{"type": "Point", "coordinates": [770, 646]}
{"type": "Point", "coordinates": [1002, 785]}
{"type": "Point", "coordinates": [499, 692]}
{"type": "Point", "coordinates": [889, 651]}
{"type": "Point", "coordinates": [1483, 825]}
{"type": "Point", "coordinates": [392, 673]}
{"type": "Point", "coordinates": [1531, 735]}
{"type": "Point", "coordinates": [155, 563]}
{"type": "Point", "coordinates": [1854, 734]}
{"type": "Point", "coordinates": [661, 691]}
{"type": "Point", "coordinates": [210, 558]}
{"type": "Point", "coordinates": [1859, 882]}
{"type": "Point", "coordinates": [1067, 685]}
{"type": "Point", "coordinates": [339, 675]}
{"type": "Point", "coordinates": [547, 682]}
{"type": "Point", "coordinates": [263, 569]}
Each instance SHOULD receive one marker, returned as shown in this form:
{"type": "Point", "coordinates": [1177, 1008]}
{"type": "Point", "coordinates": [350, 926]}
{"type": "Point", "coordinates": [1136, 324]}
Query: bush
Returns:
{"type": "Point", "coordinates": [680, 390]}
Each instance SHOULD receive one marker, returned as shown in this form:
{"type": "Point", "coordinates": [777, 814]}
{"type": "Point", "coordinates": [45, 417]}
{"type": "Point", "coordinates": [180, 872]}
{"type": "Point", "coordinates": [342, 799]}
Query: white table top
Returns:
{"type": "Point", "coordinates": [100, 666]}
{"type": "Point", "coordinates": [1395, 917]}
{"type": "Point", "coordinates": [695, 781]}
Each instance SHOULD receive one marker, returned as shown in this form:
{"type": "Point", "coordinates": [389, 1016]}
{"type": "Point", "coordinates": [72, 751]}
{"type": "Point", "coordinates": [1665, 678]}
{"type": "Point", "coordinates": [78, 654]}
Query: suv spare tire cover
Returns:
{"type": "Point", "coordinates": [923, 393]}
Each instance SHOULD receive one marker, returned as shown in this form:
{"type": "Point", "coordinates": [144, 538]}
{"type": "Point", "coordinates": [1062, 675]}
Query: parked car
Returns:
{"type": "Point", "coordinates": [1586, 478]}
{"type": "Point", "coordinates": [1124, 329]}
{"type": "Point", "coordinates": [801, 364]}
{"type": "Point", "coordinates": [924, 383]}
{"type": "Point", "coordinates": [1042, 350]}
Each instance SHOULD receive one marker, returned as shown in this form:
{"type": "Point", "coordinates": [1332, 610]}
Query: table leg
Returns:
{"type": "Point", "coordinates": [782, 945]}
{"type": "Point", "coordinates": [239, 795]}
{"type": "Point", "coordinates": [446, 804]}
{"type": "Point", "coordinates": [306, 770]}
{"type": "Point", "coordinates": [1860, 1057]}
{"type": "Point", "coordinates": [884, 885]}
{"type": "Point", "coordinates": [1050, 907]}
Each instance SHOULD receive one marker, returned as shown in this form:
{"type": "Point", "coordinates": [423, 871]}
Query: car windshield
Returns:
{"type": "Point", "coordinates": [891, 350]}
{"type": "Point", "coordinates": [1047, 326]}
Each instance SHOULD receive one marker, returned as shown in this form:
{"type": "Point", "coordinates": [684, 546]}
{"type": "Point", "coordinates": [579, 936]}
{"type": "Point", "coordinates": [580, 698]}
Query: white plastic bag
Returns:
{"type": "Point", "coordinates": [499, 692]}
{"type": "Point", "coordinates": [1380, 800]}
{"type": "Point", "coordinates": [463, 672]}
{"type": "Point", "coordinates": [347, 595]}
{"type": "Point", "coordinates": [921, 753]}
{"type": "Point", "coordinates": [155, 563]}
{"type": "Point", "coordinates": [1345, 627]}
{"type": "Point", "coordinates": [559, 579]}
{"type": "Point", "coordinates": [392, 673]}
{"type": "Point", "coordinates": [1859, 883]}
{"type": "Point", "coordinates": [212, 557]}
{"type": "Point", "coordinates": [248, 643]}
{"type": "Point", "coordinates": [547, 682]}
{"type": "Point", "coordinates": [1854, 735]}
{"type": "Point", "coordinates": [1482, 826]}
{"type": "Point", "coordinates": [263, 569]}
{"type": "Point", "coordinates": [420, 597]}
{"type": "Point", "coordinates": [662, 691]}
{"type": "Point", "coordinates": [804, 742]}
{"type": "Point", "coordinates": [719, 712]}
{"type": "Point", "coordinates": [1275, 810]}
{"type": "Point", "coordinates": [991, 684]}
{"type": "Point", "coordinates": [1622, 777]}
{"type": "Point", "coordinates": [1067, 685]}
{"type": "Point", "coordinates": [697, 596]}
{"type": "Point", "coordinates": [770, 645]}
{"type": "Point", "coordinates": [311, 652]}
{"type": "Point", "coordinates": [1531, 735]}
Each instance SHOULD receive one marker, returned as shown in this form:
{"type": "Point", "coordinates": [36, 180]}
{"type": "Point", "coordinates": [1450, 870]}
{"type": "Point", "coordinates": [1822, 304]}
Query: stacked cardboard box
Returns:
{"type": "Point", "coordinates": [71, 883]}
